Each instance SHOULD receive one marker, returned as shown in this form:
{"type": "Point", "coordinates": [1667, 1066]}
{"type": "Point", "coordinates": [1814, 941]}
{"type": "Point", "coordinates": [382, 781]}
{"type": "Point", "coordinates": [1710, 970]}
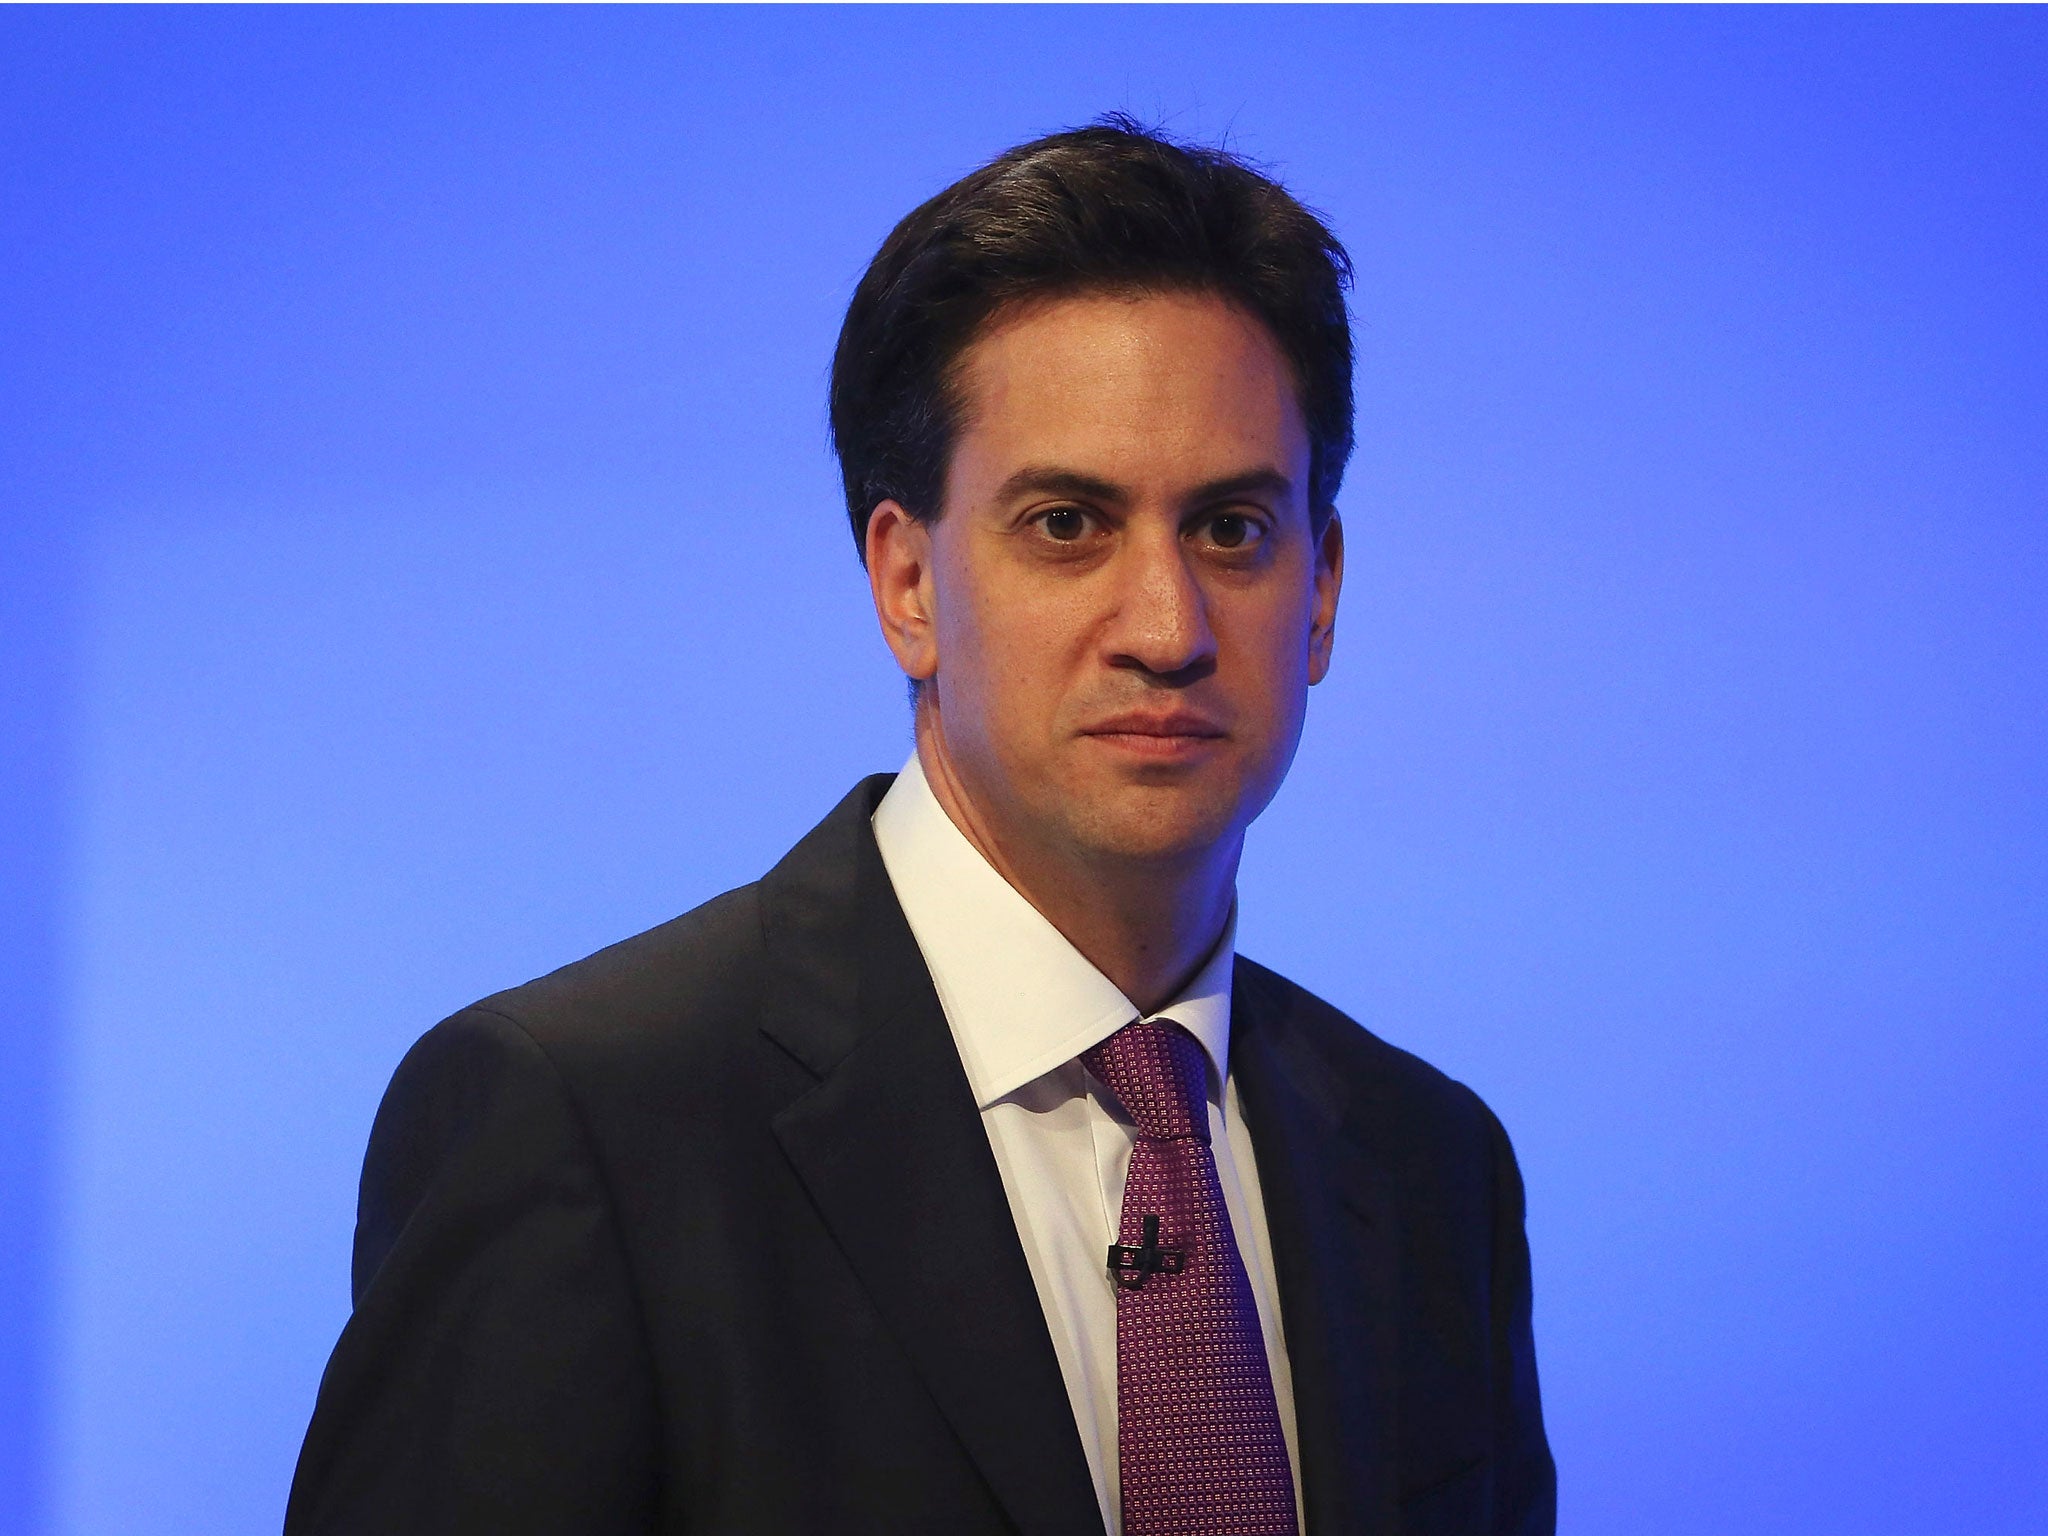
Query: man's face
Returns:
{"type": "Point", "coordinates": [1123, 603]}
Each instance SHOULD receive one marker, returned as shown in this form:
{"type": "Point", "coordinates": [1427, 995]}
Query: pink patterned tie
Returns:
{"type": "Point", "coordinates": [1199, 1448]}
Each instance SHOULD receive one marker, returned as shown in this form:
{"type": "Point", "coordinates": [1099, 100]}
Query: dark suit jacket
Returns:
{"type": "Point", "coordinates": [703, 1234]}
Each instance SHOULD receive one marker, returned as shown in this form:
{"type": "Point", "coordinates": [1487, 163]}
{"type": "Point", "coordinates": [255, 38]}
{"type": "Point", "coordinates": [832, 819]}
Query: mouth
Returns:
{"type": "Point", "coordinates": [1157, 735]}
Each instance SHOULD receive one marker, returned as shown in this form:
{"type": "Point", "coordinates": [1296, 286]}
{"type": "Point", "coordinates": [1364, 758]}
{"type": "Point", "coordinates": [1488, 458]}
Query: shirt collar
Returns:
{"type": "Point", "coordinates": [1020, 999]}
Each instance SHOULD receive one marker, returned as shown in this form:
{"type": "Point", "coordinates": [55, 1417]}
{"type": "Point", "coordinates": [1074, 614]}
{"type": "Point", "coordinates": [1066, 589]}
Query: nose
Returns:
{"type": "Point", "coordinates": [1161, 624]}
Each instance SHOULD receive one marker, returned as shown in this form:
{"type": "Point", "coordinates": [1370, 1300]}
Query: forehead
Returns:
{"type": "Point", "coordinates": [1149, 388]}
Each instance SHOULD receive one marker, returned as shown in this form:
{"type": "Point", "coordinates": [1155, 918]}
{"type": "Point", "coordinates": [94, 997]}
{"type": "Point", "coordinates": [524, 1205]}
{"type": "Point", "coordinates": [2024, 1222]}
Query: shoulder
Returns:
{"type": "Point", "coordinates": [1407, 1109]}
{"type": "Point", "coordinates": [654, 1011]}
{"type": "Point", "coordinates": [1364, 1061]}
{"type": "Point", "coordinates": [689, 973]}
{"type": "Point", "coordinates": [662, 1034]}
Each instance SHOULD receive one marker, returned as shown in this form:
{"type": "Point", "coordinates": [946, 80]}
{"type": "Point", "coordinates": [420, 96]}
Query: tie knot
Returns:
{"type": "Point", "coordinates": [1157, 1072]}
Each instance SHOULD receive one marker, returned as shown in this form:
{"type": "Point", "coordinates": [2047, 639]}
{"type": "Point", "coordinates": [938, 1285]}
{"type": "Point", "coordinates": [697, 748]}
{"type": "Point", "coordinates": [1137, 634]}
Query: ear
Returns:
{"type": "Point", "coordinates": [899, 559]}
{"type": "Point", "coordinates": [1329, 578]}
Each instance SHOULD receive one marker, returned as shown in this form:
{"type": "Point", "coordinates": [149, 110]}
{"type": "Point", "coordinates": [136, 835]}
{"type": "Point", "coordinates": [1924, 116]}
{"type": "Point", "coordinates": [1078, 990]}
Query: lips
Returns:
{"type": "Point", "coordinates": [1157, 736]}
{"type": "Point", "coordinates": [1173, 725]}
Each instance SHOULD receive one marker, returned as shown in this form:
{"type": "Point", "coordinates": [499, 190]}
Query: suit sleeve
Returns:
{"type": "Point", "coordinates": [1525, 1478]}
{"type": "Point", "coordinates": [494, 1375]}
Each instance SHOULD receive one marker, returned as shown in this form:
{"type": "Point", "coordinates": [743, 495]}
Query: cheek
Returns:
{"type": "Point", "coordinates": [1023, 638]}
{"type": "Point", "coordinates": [1274, 615]}
{"type": "Point", "coordinates": [1027, 666]}
{"type": "Point", "coordinates": [999, 656]}
{"type": "Point", "coordinates": [1270, 642]}
{"type": "Point", "coordinates": [1282, 684]}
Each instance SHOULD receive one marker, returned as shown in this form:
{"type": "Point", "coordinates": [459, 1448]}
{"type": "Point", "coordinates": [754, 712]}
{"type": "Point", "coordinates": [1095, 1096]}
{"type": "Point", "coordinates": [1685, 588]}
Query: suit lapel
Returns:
{"type": "Point", "coordinates": [1329, 1216]}
{"type": "Point", "coordinates": [891, 1149]}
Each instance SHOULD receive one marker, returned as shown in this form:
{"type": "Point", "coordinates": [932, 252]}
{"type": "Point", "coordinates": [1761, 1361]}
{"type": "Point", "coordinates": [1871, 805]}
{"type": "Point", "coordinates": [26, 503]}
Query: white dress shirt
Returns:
{"type": "Point", "coordinates": [1023, 1004]}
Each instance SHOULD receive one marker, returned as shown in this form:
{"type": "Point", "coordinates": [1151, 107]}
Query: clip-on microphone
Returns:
{"type": "Point", "coordinates": [1131, 1267]}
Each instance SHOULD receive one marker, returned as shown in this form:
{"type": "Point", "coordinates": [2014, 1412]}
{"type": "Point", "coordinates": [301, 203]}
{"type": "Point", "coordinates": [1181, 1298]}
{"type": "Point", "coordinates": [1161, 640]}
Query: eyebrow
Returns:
{"type": "Point", "coordinates": [1050, 480]}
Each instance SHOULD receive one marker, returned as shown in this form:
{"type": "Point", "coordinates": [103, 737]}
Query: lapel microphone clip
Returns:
{"type": "Point", "coordinates": [1130, 1268]}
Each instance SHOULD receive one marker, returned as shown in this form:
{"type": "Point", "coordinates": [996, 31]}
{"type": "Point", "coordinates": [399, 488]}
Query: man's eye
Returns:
{"type": "Point", "coordinates": [1065, 523]}
{"type": "Point", "coordinates": [1233, 530]}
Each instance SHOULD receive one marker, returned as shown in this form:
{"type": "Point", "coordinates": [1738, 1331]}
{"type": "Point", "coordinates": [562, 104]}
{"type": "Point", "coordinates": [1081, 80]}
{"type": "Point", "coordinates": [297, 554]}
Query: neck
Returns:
{"type": "Point", "coordinates": [1146, 924]}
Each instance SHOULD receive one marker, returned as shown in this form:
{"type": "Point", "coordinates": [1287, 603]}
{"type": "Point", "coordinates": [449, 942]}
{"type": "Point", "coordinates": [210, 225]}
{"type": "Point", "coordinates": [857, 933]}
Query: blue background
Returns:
{"type": "Point", "coordinates": [420, 564]}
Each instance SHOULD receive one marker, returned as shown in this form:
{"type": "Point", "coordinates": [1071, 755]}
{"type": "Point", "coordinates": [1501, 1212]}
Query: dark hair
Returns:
{"type": "Point", "coordinates": [1111, 207]}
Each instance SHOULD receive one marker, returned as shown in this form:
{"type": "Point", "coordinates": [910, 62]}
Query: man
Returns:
{"type": "Point", "coordinates": [958, 1176]}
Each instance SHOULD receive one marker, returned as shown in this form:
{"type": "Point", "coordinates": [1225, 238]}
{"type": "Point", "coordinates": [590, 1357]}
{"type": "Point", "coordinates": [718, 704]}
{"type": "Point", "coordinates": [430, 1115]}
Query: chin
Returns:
{"type": "Point", "coordinates": [1156, 825]}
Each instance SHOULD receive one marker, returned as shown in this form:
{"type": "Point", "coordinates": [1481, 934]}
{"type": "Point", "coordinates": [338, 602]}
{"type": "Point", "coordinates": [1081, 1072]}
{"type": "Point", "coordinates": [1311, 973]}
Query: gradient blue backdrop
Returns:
{"type": "Point", "coordinates": [419, 565]}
